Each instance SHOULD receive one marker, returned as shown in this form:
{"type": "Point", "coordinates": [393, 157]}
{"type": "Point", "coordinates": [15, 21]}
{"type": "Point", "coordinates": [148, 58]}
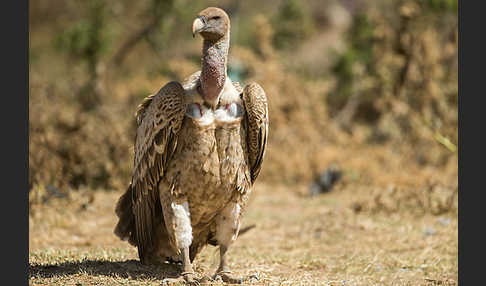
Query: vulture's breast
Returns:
{"type": "Point", "coordinates": [212, 158]}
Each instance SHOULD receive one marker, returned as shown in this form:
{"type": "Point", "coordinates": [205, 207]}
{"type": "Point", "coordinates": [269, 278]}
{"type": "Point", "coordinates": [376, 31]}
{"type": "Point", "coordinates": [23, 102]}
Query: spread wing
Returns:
{"type": "Point", "coordinates": [159, 119]}
{"type": "Point", "coordinates": [256, 107]}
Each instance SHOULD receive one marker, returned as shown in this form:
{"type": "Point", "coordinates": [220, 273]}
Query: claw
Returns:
{"type": "Point", "coordinates": [190, 279]}
{"type": "Point", "coordinates": [206, 279]}
{"type": "Point", "coordinates": [217, 278]}
{"type": "Point", "coordinates": [169, 281]}
{"type": "Point", "coordinates": [186, 278]}
{"type": "Point", "coordinates": [228, 278]}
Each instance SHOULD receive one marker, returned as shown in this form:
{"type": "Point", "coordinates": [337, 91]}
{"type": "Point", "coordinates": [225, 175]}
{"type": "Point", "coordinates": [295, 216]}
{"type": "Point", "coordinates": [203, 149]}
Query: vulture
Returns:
{"type": "Point", "coordinates": [199, 148]}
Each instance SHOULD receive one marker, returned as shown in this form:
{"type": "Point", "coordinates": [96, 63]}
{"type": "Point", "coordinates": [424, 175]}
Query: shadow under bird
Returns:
{"type": "Point", "coordinates": [198, 150]}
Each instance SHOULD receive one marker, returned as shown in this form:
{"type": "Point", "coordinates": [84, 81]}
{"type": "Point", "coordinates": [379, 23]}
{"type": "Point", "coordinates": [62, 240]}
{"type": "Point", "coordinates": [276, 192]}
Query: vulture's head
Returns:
{"type": "Point", "coordinates": [211, 23]}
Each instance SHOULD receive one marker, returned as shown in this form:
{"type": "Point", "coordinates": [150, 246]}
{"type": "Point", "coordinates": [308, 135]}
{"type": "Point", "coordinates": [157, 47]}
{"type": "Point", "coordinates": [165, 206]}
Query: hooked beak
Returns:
{"type": "Point", "coordinates": [198, 25]}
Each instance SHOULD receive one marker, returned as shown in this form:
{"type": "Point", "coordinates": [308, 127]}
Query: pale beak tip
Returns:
{"type": "Point", "coordinates": [197, 26]}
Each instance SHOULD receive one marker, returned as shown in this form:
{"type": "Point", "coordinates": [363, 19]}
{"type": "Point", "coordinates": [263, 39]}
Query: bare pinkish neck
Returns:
{"type": "Point", "coordinates": [213, 72]}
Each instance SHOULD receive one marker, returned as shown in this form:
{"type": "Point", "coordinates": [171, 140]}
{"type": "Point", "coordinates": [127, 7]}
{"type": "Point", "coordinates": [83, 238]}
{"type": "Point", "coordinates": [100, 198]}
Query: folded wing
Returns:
{"type": "Point", "coordinates": [160, 118]}
{"type": "Point", "coordinates": [256, 107]}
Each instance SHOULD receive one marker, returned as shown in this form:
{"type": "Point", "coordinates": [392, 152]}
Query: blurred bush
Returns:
{"type": "Point", "coordinates": [292, 24]}
{"type": "Point", "coordinates": [399, 72]}
{"type": "Point", "coordinates": [392, 80]}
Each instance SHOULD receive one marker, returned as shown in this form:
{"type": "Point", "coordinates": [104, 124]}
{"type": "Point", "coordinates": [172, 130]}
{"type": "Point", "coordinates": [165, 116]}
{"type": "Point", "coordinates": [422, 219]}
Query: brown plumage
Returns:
{"type": "Point", "coordinates": [199, 148]}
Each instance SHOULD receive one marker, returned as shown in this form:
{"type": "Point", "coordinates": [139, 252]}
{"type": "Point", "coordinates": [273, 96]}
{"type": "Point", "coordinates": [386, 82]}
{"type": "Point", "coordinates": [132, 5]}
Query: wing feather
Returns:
{"type": "Point", "coordinates": [256, 107]}
{"type": "Point", "coordinates": [159, 119]}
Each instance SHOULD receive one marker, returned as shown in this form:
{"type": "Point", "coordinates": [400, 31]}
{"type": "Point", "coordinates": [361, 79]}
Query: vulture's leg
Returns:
{"type": "Point", "coordinates": [182, 229]}
{"type": "Point", "coordinates": [178, 223]}
{"type": "Point", "coordinates": [187, 270]}
{"type": "Point", "coordinates": [188, 274]}
{"type": "Point", "coordinates": [227, 227]}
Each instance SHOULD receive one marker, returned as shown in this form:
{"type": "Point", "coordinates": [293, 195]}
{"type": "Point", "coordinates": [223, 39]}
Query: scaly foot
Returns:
{"type": "Point", "coordinates": [227, 277]}
{"type": "Point", "coordinates": [188, 278]}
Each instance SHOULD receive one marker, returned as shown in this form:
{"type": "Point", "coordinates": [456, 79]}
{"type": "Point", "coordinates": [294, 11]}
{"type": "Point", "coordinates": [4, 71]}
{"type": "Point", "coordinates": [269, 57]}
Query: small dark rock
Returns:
{"type": "Point", "coordinates": [357, 207]}
{"type": "Point", "coordinates": [444, 221]}
{"type": "Point", "coordinates": [429, 231]}
{"type": "Point", "coordinates": [53, 192]}
{"type": "Point", "coordinates": [326, 181]}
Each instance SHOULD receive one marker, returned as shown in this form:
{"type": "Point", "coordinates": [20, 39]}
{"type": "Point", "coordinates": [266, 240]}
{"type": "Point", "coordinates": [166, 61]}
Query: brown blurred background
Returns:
{"type": "Point", "coordinates": [368, 86]}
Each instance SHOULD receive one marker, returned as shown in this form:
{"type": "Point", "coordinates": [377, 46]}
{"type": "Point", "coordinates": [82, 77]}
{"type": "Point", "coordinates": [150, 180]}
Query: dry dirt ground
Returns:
{"type": "Point", "coordinates": [353, 235]}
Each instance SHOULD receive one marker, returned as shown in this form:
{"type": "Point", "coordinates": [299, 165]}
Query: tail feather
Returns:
{"type": "Point", "coordinates": [125, 229]}
{"type": "Point", "coordinates": [245, 229]}
{"type": "Point", "coordinates": [214, 242]}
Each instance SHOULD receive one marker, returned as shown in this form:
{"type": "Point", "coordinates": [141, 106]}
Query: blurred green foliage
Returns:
{"type": "Point", "coordinates": [358, 54]}
{"type": "Point", "coordinates": [89, 38]}
{"type": "Point", "coordinates": [292, 24]}
{"type": "Point", "coordinates": [443, 5]}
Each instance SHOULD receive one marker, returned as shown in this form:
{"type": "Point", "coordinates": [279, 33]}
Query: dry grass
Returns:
{"type": "Point", "coordinates": [299, 240]}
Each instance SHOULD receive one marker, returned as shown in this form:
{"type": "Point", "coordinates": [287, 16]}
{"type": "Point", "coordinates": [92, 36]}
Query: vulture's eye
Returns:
{"type": "Point", "coordinates": [216, 17]}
